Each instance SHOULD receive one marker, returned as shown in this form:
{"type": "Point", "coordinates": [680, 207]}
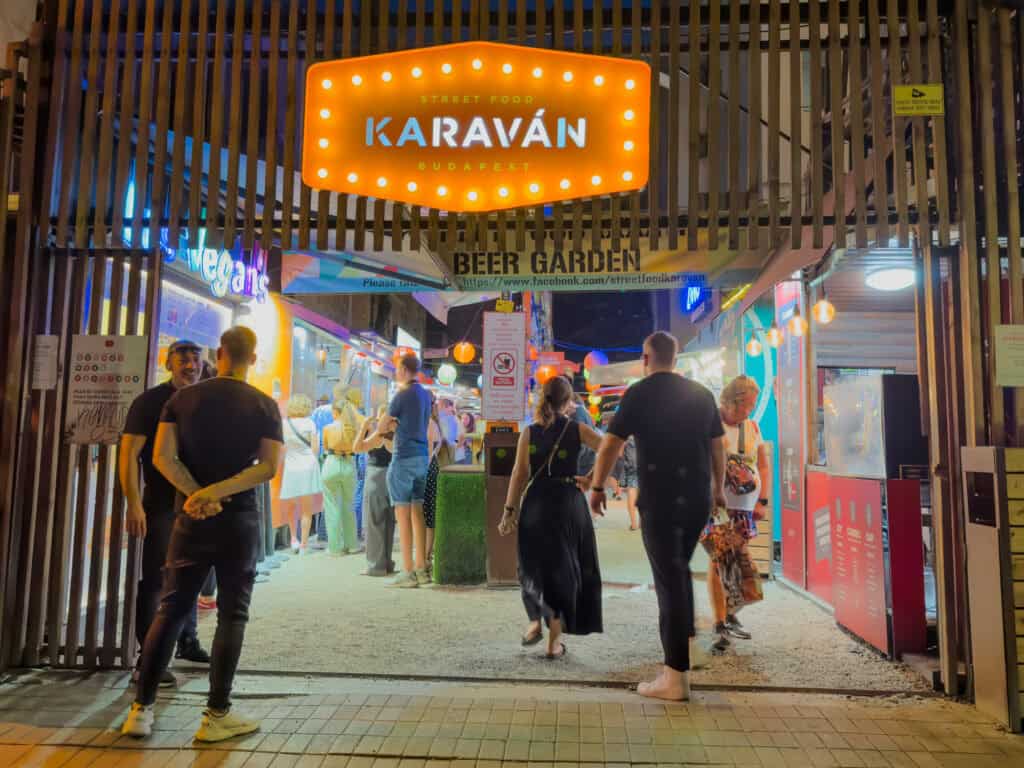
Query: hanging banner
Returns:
{"type": "Point", "coordinates": [477, 126]}
{"type": "Point", "coordinates": [107, 373]}
{"type": "Point", "coordinates": [504, 366]}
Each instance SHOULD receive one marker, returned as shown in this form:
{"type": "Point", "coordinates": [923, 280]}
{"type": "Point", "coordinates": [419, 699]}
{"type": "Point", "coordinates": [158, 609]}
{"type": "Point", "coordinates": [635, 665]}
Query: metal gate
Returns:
{"type": "Point", "coordinates": [72, 571]}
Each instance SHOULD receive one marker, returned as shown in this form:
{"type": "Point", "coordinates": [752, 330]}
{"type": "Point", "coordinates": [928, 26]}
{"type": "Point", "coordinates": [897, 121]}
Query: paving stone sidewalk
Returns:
{"type": "Point", "coordinates": [68, 720]}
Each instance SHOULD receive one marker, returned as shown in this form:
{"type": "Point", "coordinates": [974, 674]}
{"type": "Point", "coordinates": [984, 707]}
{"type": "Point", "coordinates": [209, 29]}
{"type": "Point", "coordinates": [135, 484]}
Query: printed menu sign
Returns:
{"type": "Point", "coordinates": [504, 363]}
{"type": "Point", "coordinates": [106, 374]}
{"type": "Point", "coordinates": [858, 565]}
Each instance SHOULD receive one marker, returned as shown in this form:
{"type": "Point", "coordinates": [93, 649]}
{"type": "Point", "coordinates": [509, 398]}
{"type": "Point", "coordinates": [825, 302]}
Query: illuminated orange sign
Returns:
{"type": "Point", "coordinates": [477, 126]}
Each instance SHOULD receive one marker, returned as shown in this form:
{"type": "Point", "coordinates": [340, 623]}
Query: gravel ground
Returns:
{"type": "Point", "coordinates": [318, 614]}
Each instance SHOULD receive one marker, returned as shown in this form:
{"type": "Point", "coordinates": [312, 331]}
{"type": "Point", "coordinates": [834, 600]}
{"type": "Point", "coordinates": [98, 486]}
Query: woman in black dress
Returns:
{"type": "Point", "coordinates": [558, 566]}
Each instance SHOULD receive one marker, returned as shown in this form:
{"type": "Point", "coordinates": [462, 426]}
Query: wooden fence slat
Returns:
{"type": "Point", "coordinates": [1009, 159]}
{"type": "Point", "coordinates": [817, 162]}
{"type": "Point", "coordinates": [87, 159]}
{"type": "Point", "coordinates": [880, 140]}
{"type": "Point", "coordinates": [857, 122]}
{"type": "Point", "coordinates": [158, 190]}
{"type": "Point", "coordinates": [290, 119]}
{"type": "Point", "coordinates": [115, 542]}
{"type": "Point", "coordinates": [104, 167]}
{"type": "Point", "coordinates": [438, 19]}
{"type": "Point", "coordinates": [917, 127]}
{"type": "Point", "coordinates": [235, 126]}
{"type": "Point", "coordinates": [796, 119]}
{"type": "Point", "coordinates": [199, 109]}
{"type": "Point", "coordinates": [774, 117]}
{"type": "Point", "coordinates": [693, 205]}
{"type": "Point", "coordinates": [72, 118]}
{"type": "Point", "coordinates": [502, 218]}
{"type": "Point", "coordinates": [674, 40]}
{"type": "Point", "coordinates": [990, 185]}
{"type": "Point", "coordinates": [271, 113]}
{"type": "Point", "coordinates": [59, 94]}
{"type": "Point", "coordinates": [214, 217]}
{"type": "Point", "coordinates": [309, 55]}
{"type": "Point", "coordinates": [734, 128]}
{"type": "Point", "coordinates": [63, 519]}
{"type": "Point", "coordinates": [253, 108]}
{"type": "Point", "coordinates": [899, 150]}
{"type": "Point", "coordinates": [714, 164]}
{"type": "Point", "coordinates": [182, 87]}
{"type": "Point", "coordinates": [134, 547]}
{"type": "Point", "coordinates": [837, 125]}
{"type": "Point", "coordinates": [654, 185]}
{"type": "Point", "coordinates": [939, 123]}
{"type": "Point", "coordinates": [324, 198]}
{"type": "Point", "coordinates": [755, 134]}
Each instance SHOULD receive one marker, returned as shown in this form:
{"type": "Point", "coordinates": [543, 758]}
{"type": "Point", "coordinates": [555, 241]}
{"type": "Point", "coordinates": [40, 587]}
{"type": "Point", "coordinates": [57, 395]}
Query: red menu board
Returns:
{"type": "Point", "coordinates": [858, 563]}
{"type": "Point", "coordinates": [820, 500]}
{"type": "Point", "coordinates": [792, 417]}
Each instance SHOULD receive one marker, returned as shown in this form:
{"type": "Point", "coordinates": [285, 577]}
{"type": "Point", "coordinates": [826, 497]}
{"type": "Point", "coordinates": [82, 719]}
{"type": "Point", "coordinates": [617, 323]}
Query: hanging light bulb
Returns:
{"type": "Point", "coordinates": [797, 325]}
{"type": "Point", "coordinates": [774, 335]}
{"type": "Point", "coordinates": [824, 311]}
{"type": "Point", "coordinates": [753, 347]}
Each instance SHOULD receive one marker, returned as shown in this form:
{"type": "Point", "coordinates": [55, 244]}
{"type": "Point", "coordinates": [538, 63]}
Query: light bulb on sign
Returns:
{"type": "Point", "coordinates": [324, 143]}
{"type": "Point", "coordinates": [564, 184]}
{"type": "Point", "coordinates": [322, 173]}
{"type": "Point", "coordinates": [326, 84]}
{"type": "Point", "coordinates": [357, 80]}
{"type": "Point", "coordinates": [417, 72]}
{"type": "Point", "coordinates": [567, 76]}
{"type": "Point", "coordinates": [411, 186]}
{"type": "Point", "coordinates": [595, 180]}
{"type": "Point", "coordinates": [630, 85]}
{"type": "Point", "coordinates": [446, 68]}
{"type": "Point", "coordinates": [599, 80]}
{"type": "Point", "coordinates": [538, 72]}
{"type": "Point", "coordinates": [477, 64]}
{"type": "Point", "coordinates": [534, 188]}
{"type": "Point", "coordinates": [629, 146]}
{"type": "Point", "coordinates": [629, 114]}
{"type": "Point", "coordinates": [627, 175]}
{"type": "Point", "coordinates": [506, 68]}
{"type": "Point", "coordinates": [442, 191]}
{"type": "Point", "coordinates": [503, 192]}
{"type": "Point", "coordinates": [386, 76]}
{"type": "Point", "coordinates": [753, 347]}
{"type": "Point", "coordinates": [824, 311]}
{"type": "Point", "coordinates": [325, 113]}
{"type": "Point", "coordinates": [472, 196]}
{"type": "Point", "coordinates": [352, 178]}
{"type": "Point", "coordinates": [382, 182]}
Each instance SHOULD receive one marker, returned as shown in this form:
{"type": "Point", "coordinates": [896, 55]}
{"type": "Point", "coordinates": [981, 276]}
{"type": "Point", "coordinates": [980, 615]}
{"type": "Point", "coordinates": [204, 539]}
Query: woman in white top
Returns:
{"type": "Point", "coordinates": [733, 580]}
{"type": "Point", "coordinates": [301, 488]}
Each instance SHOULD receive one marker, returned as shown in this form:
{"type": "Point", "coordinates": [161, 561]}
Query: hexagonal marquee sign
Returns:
{"type": "Point", "coordinates": [477, 126]}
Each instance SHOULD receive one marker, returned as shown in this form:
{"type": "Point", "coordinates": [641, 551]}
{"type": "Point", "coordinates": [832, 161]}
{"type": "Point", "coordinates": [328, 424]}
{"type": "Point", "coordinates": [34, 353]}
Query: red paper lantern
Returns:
{"type": "Point", "coordinates": [464, 352]}
{"type": "Point", "coordinates": [544, 373]}
{"type": "Point", "coordinates": [400, 353]}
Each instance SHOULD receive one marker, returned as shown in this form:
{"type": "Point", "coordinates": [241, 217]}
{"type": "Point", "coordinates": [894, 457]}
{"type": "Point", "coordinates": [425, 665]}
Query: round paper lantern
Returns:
{"type": "Point", "coordinates": [595, 359]}
{"type": "Point", "coordinates": [544, 373]}
{"type": "Point", "coordinates": [464, 352]}
{"type": "Point", "coordinates": [447, 374]}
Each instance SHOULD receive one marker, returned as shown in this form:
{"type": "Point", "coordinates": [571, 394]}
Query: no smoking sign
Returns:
{"type": "Point", "coordinates": [504, 365]}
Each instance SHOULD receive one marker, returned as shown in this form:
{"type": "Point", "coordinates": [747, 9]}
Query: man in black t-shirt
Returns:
{"type": "Point", "coordinates": [151, 515]}
{"type": "Point", "coordinates": [680, 460]}
{"type": "Point", "coordinates": [217, 441]}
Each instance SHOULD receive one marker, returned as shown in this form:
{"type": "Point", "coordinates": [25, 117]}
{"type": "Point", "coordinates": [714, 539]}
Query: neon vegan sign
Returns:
{"type": "Point", "coordinates": [477, 126]}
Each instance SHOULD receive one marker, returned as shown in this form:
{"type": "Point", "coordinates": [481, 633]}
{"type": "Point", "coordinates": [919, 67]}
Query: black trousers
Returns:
{"type": "Point", "coordinates": [534, 612]}
{"type": "Point", "coordinates": [670, 540]}
{"type": "Point", "coordinates": [159, 524]}
{"type": "Point", "coordinates": [229, 543]}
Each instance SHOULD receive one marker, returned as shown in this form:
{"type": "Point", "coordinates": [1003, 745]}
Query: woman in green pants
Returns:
{"type": "Point", "coordinates": [339, 479]}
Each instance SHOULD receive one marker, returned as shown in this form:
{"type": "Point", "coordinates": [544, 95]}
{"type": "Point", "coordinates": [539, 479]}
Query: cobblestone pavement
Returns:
{"type": "Point", "coordinates": [67, 720]}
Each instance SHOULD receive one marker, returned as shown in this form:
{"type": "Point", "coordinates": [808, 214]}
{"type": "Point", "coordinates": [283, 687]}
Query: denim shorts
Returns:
{"type": "Point", "coordinates": [407, 480]}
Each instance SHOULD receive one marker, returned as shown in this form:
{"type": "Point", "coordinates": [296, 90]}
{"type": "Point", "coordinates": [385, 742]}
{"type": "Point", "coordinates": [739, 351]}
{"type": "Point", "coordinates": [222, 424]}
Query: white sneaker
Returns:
{"type": "Point", "coordinates": [405, 580]}
{"type": "Point", "coordinates": [139, 722]}
{"type": "Point", "coordinates": [226, 726]}
{"type": "Point", "coordinates": [699, 657]}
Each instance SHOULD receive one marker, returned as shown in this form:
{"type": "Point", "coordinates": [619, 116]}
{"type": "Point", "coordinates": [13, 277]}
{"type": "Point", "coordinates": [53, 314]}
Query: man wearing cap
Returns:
{"type": "Point", "coordinates": [151, 513]}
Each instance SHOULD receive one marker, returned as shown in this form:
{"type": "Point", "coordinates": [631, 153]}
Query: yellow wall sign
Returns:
{"type": "Point", "coordinates": [918, 100]}
{"type": "Point", "coordinates": [477, 126]}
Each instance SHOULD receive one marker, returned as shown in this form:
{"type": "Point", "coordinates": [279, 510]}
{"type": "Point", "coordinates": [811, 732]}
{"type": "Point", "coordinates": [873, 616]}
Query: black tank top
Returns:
{"type": "Point", "coordinates": [379, 457]}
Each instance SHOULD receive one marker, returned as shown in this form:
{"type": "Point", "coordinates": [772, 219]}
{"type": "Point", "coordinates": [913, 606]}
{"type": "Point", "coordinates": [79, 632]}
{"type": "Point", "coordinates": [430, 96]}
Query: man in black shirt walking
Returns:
{"type": "Point", "coordinates": [681, 467]}
{"type": "Point", "coordinates": [151, 515]}
{"type": "Point", "coordinates": [217, 441]}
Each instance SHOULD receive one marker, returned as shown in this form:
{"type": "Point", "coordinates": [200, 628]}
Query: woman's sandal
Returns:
{"type": "Point", "coordinates": [533, 638]}
{"type": "Point", "coordinates": [556, 656]}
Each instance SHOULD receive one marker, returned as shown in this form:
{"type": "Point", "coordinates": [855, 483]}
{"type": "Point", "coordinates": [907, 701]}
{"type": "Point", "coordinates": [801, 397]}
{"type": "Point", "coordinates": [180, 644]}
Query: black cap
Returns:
{"type": "Point", "coordinates": [183, 345]}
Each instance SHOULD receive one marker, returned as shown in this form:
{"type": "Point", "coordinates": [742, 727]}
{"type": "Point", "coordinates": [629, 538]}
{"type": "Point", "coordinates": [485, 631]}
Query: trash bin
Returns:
{"type": "Point", "coordinates": [502, 551]}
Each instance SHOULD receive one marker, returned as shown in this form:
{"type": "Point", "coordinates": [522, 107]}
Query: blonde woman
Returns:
{"type": "Point", "coordinates": [340, 477]}
{"type": "Point", "coordinates": [301, 490]}
{"type": "Point", "coordinates": [733, 580]}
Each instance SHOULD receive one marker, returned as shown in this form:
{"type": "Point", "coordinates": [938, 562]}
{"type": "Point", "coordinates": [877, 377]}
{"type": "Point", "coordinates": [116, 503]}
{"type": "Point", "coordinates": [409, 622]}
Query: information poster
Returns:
{"type": "Point", "coordinates": [44, 362]}
{"type": "Point", "coordinates": [820, 501]}
{"type": "Point", "coordinates": [504, 365]}
{"type": "Point", "coordinates": [792, 418]}
{"type": "Point", "coordinates": [107, 373]}
{"type": "Point", "coordinates": [858, 564]}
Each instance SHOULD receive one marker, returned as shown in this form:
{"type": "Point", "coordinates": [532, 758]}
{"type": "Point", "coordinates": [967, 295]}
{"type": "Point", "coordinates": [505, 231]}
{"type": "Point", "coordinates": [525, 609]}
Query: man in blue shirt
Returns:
{"type": "Point", "coordinates": [408, 417]}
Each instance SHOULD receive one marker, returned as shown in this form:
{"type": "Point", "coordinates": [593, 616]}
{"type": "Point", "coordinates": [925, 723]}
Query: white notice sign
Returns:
{"type": "Point", "coordinates": [44, 362]}
{"type": "Point", "coordinates": [1009, 348]}
{"type": "Point", "coordinates": [504, 364]}
{"type": "Point", "coordinates": [106, 374]}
